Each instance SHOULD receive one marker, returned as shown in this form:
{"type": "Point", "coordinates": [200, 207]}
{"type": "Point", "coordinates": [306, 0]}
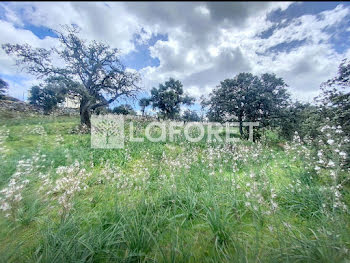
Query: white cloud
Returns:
{"type": "Point", "coordinates": [238, 48]}
{"type": "Point", "coordinates": [207, 42]}
{"type": "Point", "coordinates": [10, 34]}
{"type": "Point", "coordinates": [99, 21]}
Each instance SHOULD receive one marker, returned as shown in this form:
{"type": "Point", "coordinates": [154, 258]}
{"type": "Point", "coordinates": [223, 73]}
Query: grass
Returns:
{"type": "Point", "coordinates": [162, 202]}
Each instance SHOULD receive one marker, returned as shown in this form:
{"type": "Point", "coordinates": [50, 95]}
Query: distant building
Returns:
{"type": "Point", "coordinates": [70, 102]}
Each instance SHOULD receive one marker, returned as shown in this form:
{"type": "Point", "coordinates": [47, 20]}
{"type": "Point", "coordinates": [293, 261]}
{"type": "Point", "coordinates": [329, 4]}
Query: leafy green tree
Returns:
{"type": "Point", "coordinates": [144, 103]}
{"type": "Point", "coordinates": [3, 87]}
{"type": "Point", "coordinates": [169, 97]}
{"type": "Point", "coordinates": [99, 76]}
{"type": "Point", "coordinates": [334, 102]}
{"type": "Point", "coordinates": [335, 97]}
{"type": "Point", "coordinates": [303, 118]}
{"type": "Point", "coordinates": [190, 115]}
{"type": "Point", "coordinates": [124, 109]}
{"type": "Point", "coordinates": [248, 98]}
{"type": "Point", "coordinates": [47, 96]}
{"type": "Point", "coordinates": [273, 98]}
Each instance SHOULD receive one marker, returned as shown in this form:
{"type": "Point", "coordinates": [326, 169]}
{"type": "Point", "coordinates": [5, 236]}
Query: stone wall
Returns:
{"type": "Point", "coordinates": [18, 106]}
{"type": "Point", "coordinates": [11, 107]}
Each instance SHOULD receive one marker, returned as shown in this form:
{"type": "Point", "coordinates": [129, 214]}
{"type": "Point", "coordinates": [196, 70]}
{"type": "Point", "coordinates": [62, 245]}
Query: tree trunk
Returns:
{"type": "Point", "coordinates": [240, 125]}
{"type": "Point", "coordinates": [85, 113]}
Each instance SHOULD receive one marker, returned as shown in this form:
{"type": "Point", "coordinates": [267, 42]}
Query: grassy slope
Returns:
{"type": "Point", "coordinates": [169, 202]}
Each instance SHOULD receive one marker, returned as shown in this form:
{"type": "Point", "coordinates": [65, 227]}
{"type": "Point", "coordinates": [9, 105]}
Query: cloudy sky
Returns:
{"type": "Point", "coordinates": [199, 43]}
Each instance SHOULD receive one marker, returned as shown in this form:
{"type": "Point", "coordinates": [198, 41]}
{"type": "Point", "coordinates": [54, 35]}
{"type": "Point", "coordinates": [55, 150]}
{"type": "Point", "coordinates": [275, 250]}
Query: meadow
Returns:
{"type": "Point", "coordinates": [264, 201]}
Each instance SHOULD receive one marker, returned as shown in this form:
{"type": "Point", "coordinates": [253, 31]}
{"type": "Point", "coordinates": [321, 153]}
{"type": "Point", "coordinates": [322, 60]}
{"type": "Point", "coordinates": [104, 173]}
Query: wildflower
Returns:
{"type": "Point", "coordinates": [337, 194]}
{"type": "Point", "coordinates": [342, 154]}
{"type": "Point", "coordinates": [331, 163]}
{"type": "Point", "coordinates": [333, 175]}
{"type": "Point", "coordinates": [5, 206]}
{"type": "Point", "coordinates": [330, 141]}
{"type": "Point", "coordinates": [18, 197]}
{"type": "Point", "coordinates": [71, 182]}
{"type": "Point", "coordinates": [287, 225]}
{"type": "Point", "coordinates": [324, 128]}
{"type": "Point", "coordinates": [274, 206]}
{"type": "Point", "coordinates": [338, 131]}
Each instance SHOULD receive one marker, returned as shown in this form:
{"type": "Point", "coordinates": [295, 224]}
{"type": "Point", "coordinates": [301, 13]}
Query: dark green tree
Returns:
{"type": "Point", "coordinates": [144, 103]}
{"type": "Point", "coordinates": [124, 109]}
{"type": "Point", "coordinates": [303, 118]}
{"type": "Point", "coordinates": [169, 97]}
{"type": "Point", "coordinates": [248, 98]}
{"type": "Point", "coordinates": [45, 98]}
{"type": "Point", "coordinates": [335, 97]}
{"type": "Point", "coordinates": [189, 116]}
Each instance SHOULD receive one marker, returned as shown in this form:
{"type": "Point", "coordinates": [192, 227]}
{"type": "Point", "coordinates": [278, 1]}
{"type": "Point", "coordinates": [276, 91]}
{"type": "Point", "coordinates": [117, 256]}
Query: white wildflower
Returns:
{"type": "Point", "coordinates": [330, 141]}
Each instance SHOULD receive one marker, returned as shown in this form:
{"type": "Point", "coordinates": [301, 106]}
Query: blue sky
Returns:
{"type": "Point", "coordinates": [198, 43]}
{"type": "Point", "coordinates": [141, 57]}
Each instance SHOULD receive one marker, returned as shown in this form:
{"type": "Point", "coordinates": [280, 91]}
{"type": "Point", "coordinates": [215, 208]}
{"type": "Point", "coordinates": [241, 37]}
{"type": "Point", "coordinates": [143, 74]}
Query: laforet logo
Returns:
{"type": "Point", "coordinates": [107, 131]}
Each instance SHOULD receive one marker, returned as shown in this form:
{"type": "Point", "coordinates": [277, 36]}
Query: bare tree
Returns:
{"type": "Point", "coordinates": [92, 70]}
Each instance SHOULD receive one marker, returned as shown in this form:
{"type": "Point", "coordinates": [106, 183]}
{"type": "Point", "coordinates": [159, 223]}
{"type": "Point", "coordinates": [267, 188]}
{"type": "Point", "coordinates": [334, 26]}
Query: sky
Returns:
{"type": "Point", "coordinates": [199, 43]}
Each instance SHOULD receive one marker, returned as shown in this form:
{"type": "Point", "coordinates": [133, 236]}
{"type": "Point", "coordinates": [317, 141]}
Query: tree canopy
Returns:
{"type": "Point", "coordinates": [190, 116]}
{"type": "Point", "coordinates": [335, 97]}
{"type": "Point", "coordinates": [47, 95]}
{"type": "Point", "coordinates": [248, 98]}
{"type": "Point", "coordinates": [169, 97]}
{"type": "Point", "coordinates": [124, 109]}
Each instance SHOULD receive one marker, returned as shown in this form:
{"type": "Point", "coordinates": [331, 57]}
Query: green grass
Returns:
{"type": "Point", "coordinates": [163, 202]}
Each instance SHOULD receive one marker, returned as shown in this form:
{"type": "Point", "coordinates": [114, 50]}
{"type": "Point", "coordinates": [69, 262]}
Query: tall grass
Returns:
{"type": "Point", "coordinates": [164, 202]}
